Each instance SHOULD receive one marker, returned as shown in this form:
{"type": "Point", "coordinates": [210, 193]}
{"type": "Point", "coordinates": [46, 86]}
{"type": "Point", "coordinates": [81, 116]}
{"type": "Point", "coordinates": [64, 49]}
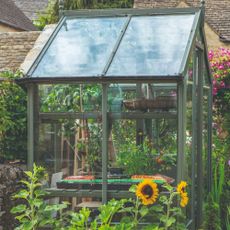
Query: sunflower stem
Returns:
{"type": "Point", "coordinates": [172, 194]}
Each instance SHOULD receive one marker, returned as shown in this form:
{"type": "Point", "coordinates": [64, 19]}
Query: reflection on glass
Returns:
{"type": "Point", "coordinates": [81, 48]}
{"type": "Point", "coordinates": [71, 146]}
{"type": "Point", "coordinates": [152, 46]}
{"type": "Point", "coordinates": [142, 144]}
{"type": "Point", "coordinates": [70, 98]}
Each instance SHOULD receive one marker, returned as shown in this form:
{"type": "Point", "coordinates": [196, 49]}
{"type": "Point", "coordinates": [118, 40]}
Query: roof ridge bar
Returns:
{"type": "Point", "coordinates": [116, 46]}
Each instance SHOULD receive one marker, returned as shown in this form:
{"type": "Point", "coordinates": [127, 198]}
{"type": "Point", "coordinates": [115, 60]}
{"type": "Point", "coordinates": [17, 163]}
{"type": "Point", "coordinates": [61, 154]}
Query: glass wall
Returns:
{"type": "Point", "coordinates": [143, 129]}
{"type": "Point", "coordinates": [70, 129]}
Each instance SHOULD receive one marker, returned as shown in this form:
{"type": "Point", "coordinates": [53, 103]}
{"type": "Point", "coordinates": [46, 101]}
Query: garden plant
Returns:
{"type": "Point", "coordinates": [149, 209]}
{"type": "Point", "coordinates": [219, 199]}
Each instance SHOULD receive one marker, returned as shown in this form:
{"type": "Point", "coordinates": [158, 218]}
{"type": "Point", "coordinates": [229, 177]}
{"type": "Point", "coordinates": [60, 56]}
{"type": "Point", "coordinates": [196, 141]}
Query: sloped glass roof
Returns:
{"type": "Point", "coordinates": [121, 45]}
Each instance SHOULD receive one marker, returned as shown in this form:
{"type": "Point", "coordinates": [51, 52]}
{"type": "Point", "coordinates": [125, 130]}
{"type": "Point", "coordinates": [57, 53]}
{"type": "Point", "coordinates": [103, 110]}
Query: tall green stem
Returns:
{"type": "Point", "coordinates": [136, 212]}
{"type": "Point", "coordinates": [31, 203]}
{"type": "Point", "coordinates": [168, 208]}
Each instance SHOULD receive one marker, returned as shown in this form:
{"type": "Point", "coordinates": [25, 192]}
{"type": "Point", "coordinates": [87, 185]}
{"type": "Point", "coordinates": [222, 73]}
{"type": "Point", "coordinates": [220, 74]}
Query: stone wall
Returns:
{"type": "Point", "coordinates": [14, 46]}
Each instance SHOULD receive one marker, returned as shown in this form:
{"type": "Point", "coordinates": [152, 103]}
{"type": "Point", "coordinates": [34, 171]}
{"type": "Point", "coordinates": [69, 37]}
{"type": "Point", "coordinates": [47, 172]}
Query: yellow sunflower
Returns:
{"type": "Point", "coordinates": [184, 199]}
{"type": "Point", "coordinates": [183, 194]}
{"type": "Point", "coordinates": [147, 191]}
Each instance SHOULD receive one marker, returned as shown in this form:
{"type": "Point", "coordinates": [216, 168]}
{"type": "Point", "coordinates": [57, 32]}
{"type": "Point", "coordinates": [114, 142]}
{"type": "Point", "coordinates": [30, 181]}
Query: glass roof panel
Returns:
{"type": "Point", "coordinates": [152, 45]}
{"type": "Point", "coordinates": [81, 47]}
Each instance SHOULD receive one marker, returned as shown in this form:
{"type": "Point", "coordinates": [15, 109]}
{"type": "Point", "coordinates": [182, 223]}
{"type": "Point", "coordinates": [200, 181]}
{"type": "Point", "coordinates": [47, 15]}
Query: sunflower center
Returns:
{"type": "Point", "coordinates": [147, 191]}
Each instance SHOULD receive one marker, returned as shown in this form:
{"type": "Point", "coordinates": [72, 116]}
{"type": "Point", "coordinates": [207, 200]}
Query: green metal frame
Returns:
{"type": "Point", "coordinates": [104, 143]}
{"type": "Point", "coordinates": [112, 13]}
{"type": "Point", "coordinates": [200, 138]}
{"type": "Point", "coordinates": [115, 48]}
{"type": "Point", "coordinates": [128, 11]}
{"type": "Point", "coordinates": [194, 139]}
{"type": "Point", "coordinates": [34, 116]}
{"type": "Point", "coordinates": [30, 127]}
{"type": "Point", "coordinates": [190, 44]}
{"type": "Point", "coordinates": [181, 111]}
{"type": "Point", "coordinates": [101, 79]}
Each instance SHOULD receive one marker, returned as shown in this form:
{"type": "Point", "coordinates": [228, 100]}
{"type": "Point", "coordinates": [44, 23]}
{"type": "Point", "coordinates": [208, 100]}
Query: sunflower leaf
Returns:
{"type": "Point", "coordinates": [170, 221]}
{"type": "Point", "coordinates": [157, 208]}
{"type": "Point", "coordinates": [133, 188]}
{"type": "Point", "coordinates": [144, 211]}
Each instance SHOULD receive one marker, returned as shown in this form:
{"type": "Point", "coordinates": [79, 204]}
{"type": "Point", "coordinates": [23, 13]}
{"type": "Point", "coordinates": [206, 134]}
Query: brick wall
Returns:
{"type": "Point", "coordinates": [14, 47]}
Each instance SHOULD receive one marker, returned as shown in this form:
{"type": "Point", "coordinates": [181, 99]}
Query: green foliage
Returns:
{"type": "Point", "coordinates": [143, 158]}
{"type": "Point", "coordinates": [211, 219]}
{"type": "Point", "coordinates": [131, 214]}
{"type": "Point", "coordinates": [35, 212]}
{"type": "Point", "coordinates": [228, 219]}
{"type": "Point", "coordinates": [163, 216]}
{"type": "Point", "coordinates": [70, 98]}
{"type": "Point", "coordinates": [12, 117]}
{"type": "Point", "coordinates": [52, 12]}
{"type": "Point", "coordinates": [218, 182]}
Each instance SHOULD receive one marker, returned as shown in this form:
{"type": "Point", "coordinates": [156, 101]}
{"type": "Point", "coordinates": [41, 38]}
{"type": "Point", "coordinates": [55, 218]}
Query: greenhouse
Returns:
{"type": "Point", "coordinates": [120, 95]}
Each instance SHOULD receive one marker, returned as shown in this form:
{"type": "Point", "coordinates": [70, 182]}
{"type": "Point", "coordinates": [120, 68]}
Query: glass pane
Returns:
{"type": "Point", "coordinates": [81, 47]}
{"type": "Point", "coordinates": [70, 98]}
{"type": "Point", "coordinates": [152, 46]}
{"type": "Point", "coordinates": [72, 146]}
{"type": "Point", "coordinates": [140, 141]}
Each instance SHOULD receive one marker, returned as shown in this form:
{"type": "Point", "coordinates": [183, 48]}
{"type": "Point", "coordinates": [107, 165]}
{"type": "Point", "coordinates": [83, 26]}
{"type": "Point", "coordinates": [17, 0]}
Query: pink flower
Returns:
{"type": "Point", "coordinates": [222, 84]}
{"type": "Point", "coordinates": [216, 76]}
{"type": "Point", "coordinates": [214, 91]}
{"type": "Point", "coordinates": [221, 67]}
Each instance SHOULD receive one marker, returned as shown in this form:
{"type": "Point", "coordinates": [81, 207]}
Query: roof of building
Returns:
{"type": "Point", "coordinates": [12, 16]}
{"type": "Point", "coordinates": [217, 12]}
{"type": "Point", "coordinates": [31, 7]}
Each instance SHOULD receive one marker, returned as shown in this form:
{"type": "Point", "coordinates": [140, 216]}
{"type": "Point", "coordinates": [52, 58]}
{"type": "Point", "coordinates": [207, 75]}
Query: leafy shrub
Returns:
{"type": "Point", "coordinates": [12, 117]}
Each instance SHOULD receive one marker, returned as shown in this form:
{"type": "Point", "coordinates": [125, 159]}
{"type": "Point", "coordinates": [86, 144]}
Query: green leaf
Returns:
{"type": "Point", "coordinates": [133, 188]}
{"type": "Point", "coordinates": [18, 209]}
{"type": "Point", "coordinates": [163, 219]}
{"type": "Point", "coordinates": [168, 187]}
{"type": "Point", "coordinates": [29, 174]}
{"type": "Point", "coordinates": [157, 208]}
{"type": "Point", "coordinates": [164, 199]}
{"type": "Point", "coordinates": [22, 194]}
{"type": "Point", "coordinates": [144, 211]}
{"type": "Point", "coordinates": [26, 183]}
{"type": "Point", "coordinates": [37, 202]}
{"type": "Point", "coordinates": [22, 218]}
{"type": "Point", "coordinates": [152, 227]}
{"type": "Point", "coordinates": [28, 226]}
{"type": "Point", "coordinates": [40, 193]}
{"type": "Point", "coordinates": [170, 221]}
